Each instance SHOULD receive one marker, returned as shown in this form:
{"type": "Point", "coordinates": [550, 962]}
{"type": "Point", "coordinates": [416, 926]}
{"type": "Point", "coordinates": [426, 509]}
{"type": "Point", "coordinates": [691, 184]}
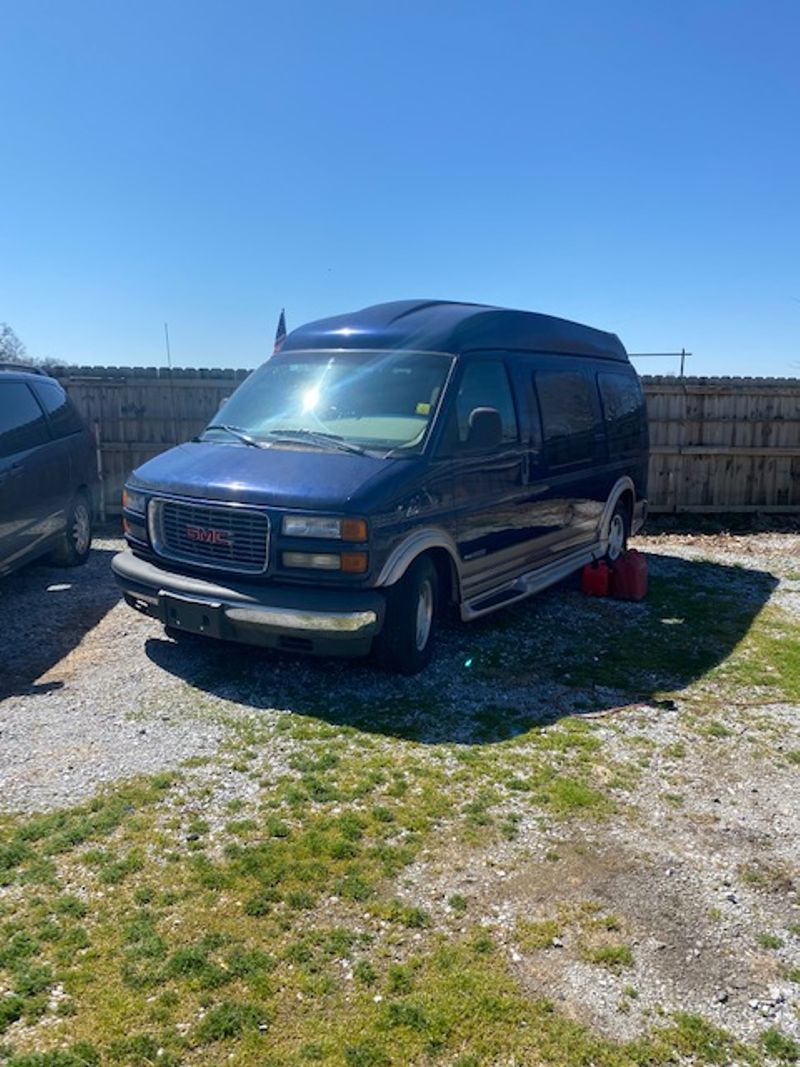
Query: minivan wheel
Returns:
{"type": "Point", "coordinates": [76, 540]}
{"type": "Point", "coordinates": [618, 532]}
{"type": "Point", "coordinates": [405, 644]}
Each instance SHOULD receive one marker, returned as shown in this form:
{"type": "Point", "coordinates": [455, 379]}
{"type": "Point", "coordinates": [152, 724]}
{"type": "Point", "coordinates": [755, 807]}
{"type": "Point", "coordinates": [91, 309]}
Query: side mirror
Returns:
{"type": "Point", "coordinates": [485, 428]}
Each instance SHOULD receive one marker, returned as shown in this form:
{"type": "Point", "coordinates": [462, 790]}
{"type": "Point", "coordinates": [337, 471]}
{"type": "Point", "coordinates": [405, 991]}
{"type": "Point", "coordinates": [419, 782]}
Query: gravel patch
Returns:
{"type": "Point", "coordinates": [75, 679]}
{"type": "Point", "coordinates": [700, 864]}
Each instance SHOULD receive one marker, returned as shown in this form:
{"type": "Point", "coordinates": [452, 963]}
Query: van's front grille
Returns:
{"type": "Point", "coordinates": [225, 537]}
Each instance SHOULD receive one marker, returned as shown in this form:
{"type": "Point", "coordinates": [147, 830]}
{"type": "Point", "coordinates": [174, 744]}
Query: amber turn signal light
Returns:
{"type": "Point", "coordinates": [354, 562]}
{"type": "Point", "coordinates": [354, 529]}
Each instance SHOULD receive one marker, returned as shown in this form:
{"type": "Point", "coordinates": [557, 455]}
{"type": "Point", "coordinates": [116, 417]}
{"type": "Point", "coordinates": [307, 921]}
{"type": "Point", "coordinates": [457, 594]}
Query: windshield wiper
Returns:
{"type": "Point", "coordinates": [235, 431]}
{"type": "Point", "coordinates": [319, 437]}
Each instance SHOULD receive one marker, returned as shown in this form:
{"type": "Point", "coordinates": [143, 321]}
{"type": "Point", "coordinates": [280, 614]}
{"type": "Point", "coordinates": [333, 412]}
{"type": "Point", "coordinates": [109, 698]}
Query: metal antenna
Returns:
{"type": "Point", "coordinates": [166, 339]}
{"type": "Point", "coordinates": [664, 355]}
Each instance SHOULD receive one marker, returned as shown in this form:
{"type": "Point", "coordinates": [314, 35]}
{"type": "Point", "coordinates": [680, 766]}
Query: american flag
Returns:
{"type": "Point", "coordinates": [280, 333]}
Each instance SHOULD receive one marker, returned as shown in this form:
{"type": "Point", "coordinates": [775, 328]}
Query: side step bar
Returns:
{"type": "Point", "coordinates": [527, 584]}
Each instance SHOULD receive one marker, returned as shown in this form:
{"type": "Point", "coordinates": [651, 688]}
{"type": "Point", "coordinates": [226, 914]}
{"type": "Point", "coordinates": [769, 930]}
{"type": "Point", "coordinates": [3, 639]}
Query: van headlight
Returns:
{"type": "Point", "coordinates": [324, 526]}
{"type": "Point", "coordinates": [134, 501]}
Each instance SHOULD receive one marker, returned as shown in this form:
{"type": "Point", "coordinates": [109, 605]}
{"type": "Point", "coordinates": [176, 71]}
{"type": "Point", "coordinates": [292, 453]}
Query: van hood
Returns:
{"type": "Point", "coordinates": [273, 477]}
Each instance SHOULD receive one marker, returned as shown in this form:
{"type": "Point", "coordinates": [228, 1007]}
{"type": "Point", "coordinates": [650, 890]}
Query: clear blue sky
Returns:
{"type": "Point", "coordinates": [629, 164]}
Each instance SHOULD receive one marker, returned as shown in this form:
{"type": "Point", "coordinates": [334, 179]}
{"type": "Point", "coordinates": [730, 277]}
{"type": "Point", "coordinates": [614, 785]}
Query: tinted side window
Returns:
{"type": "Point", "coordinates": [22, 423]}
{"type": "Point", "coordinates": [565, 401]}
{"type": "Point", "coordinates": [64, 418]}
{"type": "Point", "coordinates": [484, 385]}
{"type": "Point", "coordinates": [622, 402]}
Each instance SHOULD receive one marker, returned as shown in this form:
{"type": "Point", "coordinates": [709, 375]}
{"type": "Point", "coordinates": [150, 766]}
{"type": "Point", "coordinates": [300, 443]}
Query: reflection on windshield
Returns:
{"type": "Point", "coordinates": [347, 400]}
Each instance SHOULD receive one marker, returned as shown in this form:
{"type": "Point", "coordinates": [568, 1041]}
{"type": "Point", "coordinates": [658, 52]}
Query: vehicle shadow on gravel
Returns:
{"type": "Point", "coordinates": [554, 655]}
{"type": "Point", "coordinates": [46, 611]}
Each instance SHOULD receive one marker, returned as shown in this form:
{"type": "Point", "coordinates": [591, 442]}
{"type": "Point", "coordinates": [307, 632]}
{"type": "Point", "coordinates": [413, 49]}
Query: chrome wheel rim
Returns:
{"type": "Point", "coordinates": [81, 529]}
{"type": "Point", "coordinates": [424, 615]}
{"type": "Point", "coordinates": [616, 537]}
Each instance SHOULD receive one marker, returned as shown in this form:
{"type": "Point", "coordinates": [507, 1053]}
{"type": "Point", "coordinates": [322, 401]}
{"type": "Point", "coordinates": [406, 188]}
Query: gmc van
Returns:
{"type": "Point", "coordinates": [384, 466]}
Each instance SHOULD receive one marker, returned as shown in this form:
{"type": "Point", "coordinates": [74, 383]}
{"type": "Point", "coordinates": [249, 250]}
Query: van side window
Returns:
{"type": "Point", "coordinates": [64, 419]}
{"type": "Point", "coordinates": [565, 402]}
{"type": "Point", "coordinates": [22, 424]}
{"type": "Point", "coordinates": [485, 385]}
{"type": "Point", "coordinates": [622, 403]}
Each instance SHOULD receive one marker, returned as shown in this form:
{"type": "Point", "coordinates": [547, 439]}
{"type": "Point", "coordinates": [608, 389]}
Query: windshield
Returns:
{"type": "Point", "coordinates": [355, 400]}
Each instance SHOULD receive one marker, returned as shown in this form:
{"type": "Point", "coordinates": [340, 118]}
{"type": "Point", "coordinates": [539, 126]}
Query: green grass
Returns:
{"type": "Point", "coordinates": [716, 729]}
{"type": "Point", "coordinates": [531, 935]}
{"type": "Point", "coordinates": [780, 1047]}
{"type": "Point", "coordinates": [458, 903]}
{"type": "Point", "coordinates": [770, 941]}
{"type": "Point", "coordinates": [769, 659]}
{"type": "Point", "coordinates": [689, 623]}
{"type": "Point", "coordinates": [614, 957]}
{"type": "Point", "coordinates": [236, 952]}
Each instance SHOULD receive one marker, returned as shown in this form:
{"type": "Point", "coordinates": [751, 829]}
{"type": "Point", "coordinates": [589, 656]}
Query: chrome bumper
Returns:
{"type": "Point", "coordinates": [350, 622]}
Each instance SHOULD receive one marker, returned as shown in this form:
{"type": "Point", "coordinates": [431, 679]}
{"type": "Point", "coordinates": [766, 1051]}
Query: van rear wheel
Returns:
{"type": "Point", "coordinates": [405, 644]}
{"type": "Point", "coordinates": [618, 532]}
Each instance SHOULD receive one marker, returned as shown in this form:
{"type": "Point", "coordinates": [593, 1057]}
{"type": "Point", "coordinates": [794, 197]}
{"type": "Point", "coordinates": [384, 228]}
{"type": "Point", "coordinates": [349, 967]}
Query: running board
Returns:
{"type": "Point", "coordinates": [527, 584]}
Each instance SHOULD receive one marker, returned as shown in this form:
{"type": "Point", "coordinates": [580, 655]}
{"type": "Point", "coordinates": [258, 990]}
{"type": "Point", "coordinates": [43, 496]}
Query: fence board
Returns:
{"type": "Point", "coordinates": [717, 444]}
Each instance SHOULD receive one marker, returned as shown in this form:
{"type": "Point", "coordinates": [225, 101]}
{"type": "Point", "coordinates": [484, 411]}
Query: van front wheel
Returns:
{"type": "Point", "coordinates": [405, 644]}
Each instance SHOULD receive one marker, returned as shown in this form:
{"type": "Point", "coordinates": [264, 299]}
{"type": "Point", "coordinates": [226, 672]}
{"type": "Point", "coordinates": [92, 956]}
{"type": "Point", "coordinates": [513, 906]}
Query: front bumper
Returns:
{"type": "Point", "coordinates": [320, 621]}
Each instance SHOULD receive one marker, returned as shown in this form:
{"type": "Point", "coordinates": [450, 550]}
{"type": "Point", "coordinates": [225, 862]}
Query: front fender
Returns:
{"type": "Point", "coordinates": [414, 544]}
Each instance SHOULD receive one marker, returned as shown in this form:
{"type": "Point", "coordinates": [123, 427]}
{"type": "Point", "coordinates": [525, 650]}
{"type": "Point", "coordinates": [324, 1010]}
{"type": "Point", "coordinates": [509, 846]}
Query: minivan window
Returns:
{"type": "Point", "coordinates": [565, 402]}
{"type": "Point", "coordinates": [372, 399]}
{"type": "Point", "coordinates": [622, 402]}
{"type": "Point", "coordinates": [22, 422]}
{"type": "Point", "coordinates": [485, 384]}
{"type": "Point", "coordinates": [64, 419]}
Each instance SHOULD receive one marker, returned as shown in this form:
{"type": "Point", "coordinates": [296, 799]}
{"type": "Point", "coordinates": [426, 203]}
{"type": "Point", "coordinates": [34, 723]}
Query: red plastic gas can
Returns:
{"type": "Point", "coordinates": [629, 576]}
{"type": "Point", "coordinates": [595, 578]}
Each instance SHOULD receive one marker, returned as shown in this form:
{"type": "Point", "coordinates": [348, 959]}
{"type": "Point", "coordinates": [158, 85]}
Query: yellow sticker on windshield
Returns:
{"type": "Point", "coordinates": [423, 409]}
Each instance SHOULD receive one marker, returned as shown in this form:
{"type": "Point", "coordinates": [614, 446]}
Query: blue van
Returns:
{"type": "Point", "coordinates": [384, 466]}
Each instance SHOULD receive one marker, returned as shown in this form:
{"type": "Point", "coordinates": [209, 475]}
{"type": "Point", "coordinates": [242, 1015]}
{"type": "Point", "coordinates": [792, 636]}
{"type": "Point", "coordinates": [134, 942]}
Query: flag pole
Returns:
{"type": "Point", "coordinates": [280, 332]}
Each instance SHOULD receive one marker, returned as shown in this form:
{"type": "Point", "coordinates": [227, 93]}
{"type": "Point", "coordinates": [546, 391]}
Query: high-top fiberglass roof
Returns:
{"type": "Point", "coordinates": [446, 326]}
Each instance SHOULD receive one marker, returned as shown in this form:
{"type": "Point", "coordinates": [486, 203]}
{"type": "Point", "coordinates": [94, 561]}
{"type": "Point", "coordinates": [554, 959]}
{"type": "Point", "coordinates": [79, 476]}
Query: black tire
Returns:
{"type": "Point", "coordinates": [76, 540]}
{"type": "Point", "coordinates": [405, 644]}
{"type": "Point", "coordinates": [619, 530]}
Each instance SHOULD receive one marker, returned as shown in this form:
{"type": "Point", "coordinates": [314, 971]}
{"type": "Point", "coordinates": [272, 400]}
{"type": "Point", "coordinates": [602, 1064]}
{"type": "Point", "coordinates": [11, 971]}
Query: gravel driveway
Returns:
{"type": "Point", "coordinates": [74, 679]}
{"type": "Point", "coordinates": [92, 692]}
{"type": "Point", "coordinates": [692, 747]}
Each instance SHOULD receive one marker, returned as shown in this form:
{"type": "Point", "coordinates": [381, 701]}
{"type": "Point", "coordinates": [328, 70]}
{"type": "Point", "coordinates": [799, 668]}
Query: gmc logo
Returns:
{"type": "Point", "coordinates": [208, 535]}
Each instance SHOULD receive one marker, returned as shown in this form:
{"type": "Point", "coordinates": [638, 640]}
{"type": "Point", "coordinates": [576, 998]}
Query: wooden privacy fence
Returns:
{"type": "Point", "coordinates": [717, 444]}
{"type": "Point", "coordinates": [724, 444]}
